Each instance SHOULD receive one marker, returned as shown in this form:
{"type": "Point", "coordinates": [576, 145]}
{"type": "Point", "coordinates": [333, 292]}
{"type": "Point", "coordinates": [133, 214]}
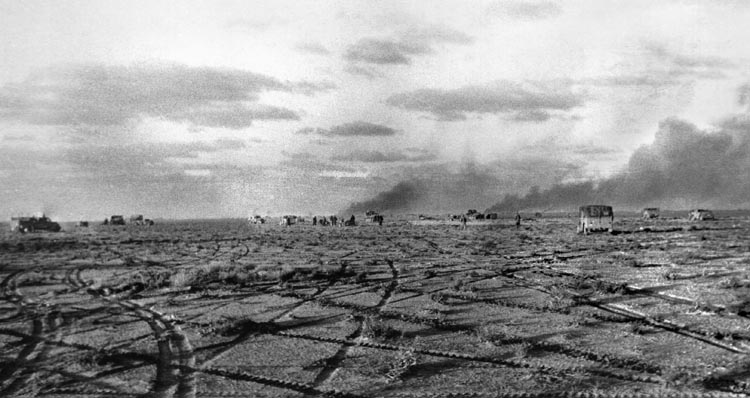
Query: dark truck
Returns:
{"type": "Point", "coordinates": [33, 224]}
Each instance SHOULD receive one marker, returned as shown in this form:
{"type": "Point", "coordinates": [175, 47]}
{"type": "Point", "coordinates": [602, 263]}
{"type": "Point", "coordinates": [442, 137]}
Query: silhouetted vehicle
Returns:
{"type": "Point", "coordinates": [595, 218]}
{"type": "Point", "coordinates": [701, 215]}
{"type": "Point", "coordinates": [83, 223]}
{"type": "Point", "coordinates": [117, 220]}
{"type": "Point", "coordinates": [490, 216]}
{"type": "Point", "coordinates": [136, 219]}
{"type": "Point", "coordinates": [148, 222]}
{"type": "Point", "coordinates": [33, 224]}
{"type": "Point", "coordinates": [256, 220]}
{"type": "Point", "coordinates": [288, 220]}
{"type": "Point", "coordinates": [650, 212]}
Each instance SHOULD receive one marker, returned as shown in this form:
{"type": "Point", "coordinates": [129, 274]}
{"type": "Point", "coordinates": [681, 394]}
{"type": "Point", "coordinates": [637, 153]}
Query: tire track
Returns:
{"type": "Point", "coordinates": [333, 363]}
{"type": "Point", "coordinates": [175, 354]}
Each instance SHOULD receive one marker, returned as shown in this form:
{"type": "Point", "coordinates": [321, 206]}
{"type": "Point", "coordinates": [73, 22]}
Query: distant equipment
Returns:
{"type": "Point", "coordinates": [256, 220]}
{"type": "Point", "coordinates": [701, 215]}
{"type": "Point", "coordinates": [136, 219]}
{"type": "Point", "coordinates": [117, 220]}
{"type": "Point", "coordinates": [288, 220]}
{"type": "Point", "coordinates": [83, 223]}
{"type": "Point", "coordinates": [650, 212]}
{"type": "Point", "coordinates": [595, 218]}
{"type": "Point", "coordinates": [490, 216]}
{"type": "Point", "coordinates": [33, 224]}
{"type": "Point", "coordinates": [374, 217]}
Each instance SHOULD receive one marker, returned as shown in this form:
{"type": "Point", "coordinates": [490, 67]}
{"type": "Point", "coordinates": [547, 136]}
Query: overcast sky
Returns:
{"type": "Point", "coordinates": [224, 109]}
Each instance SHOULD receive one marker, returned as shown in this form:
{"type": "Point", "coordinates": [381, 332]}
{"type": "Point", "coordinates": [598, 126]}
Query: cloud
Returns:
{"type": "Point", "coordinates": [663, 66]}
{"type": "Point", "coordinates": [353, 129]}
{"type": "Point", "coordinates": [532, 115]}
{"type": "Point", "coordinates": [743, 94]}
{"type": "Point", "coordinates": [384, 157]}
{"type": "Point", "coordinates": [312, 48]}
{"type": "Point", "coordinates": [359, 70]}
{"type": "Point", "coordinates": [529, 101]}
{"type": "Point", "coordinates": [376, 51]}
{"type": "Point", "coordinates": [684, 167]}
{"type": "Point", "coordinates": [102, 95]}
{"type": "Point", "coordinates": [404, 46]}
{"type": "Point", "coordinates": [525, 9]}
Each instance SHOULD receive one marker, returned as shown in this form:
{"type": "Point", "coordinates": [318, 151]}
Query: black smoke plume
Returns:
{"type": "Point", "coordinates": [400, 198]}
{"type": "Point", "coordinates": [684, 167]}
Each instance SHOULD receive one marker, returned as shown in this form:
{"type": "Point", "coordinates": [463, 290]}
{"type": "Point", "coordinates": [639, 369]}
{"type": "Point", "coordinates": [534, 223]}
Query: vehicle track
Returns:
{"type": "Point", "coordinates": [176, 358]}
{"type": "Point", "coordinates": [334, 362]}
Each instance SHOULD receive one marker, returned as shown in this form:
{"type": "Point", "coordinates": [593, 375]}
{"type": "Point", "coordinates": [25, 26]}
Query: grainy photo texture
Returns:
{"type": "Point", "coordinates": [414, 199]}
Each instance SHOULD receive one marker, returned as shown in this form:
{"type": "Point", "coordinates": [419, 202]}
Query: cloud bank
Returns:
{"type": "Point", "coordinates": [113, 95]}
{"type": "Point", "coordinates": [399, 49]}
{"type": "Point", "coordinates": [527, 102]}
{"type": "Point", "coordinates": [353, 129]}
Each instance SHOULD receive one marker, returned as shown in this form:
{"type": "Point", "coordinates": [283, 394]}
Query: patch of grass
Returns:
{"type": "Point", "coordinates": [215, 272]}
{"type": "Point", "coordinates": [404, 361]}
{"type": "Point", "coordinates": [372, 328]}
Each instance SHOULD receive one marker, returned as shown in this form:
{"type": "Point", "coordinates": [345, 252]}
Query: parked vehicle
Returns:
{"type": "Point", "coordinates": [595, 218]}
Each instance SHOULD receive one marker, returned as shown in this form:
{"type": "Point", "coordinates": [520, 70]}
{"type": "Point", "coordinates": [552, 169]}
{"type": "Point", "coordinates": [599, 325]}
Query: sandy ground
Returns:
{"type": "Point", "coordinates": [223, 308]}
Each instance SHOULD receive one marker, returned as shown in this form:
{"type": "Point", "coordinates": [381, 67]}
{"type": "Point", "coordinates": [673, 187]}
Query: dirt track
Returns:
{"type": "Point", "coordinates": [410, 309]}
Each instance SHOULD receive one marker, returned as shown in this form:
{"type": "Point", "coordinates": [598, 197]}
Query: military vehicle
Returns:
{"type": "Point", "coordinates": [593, 218]}
{"type": "Point", "coordinates": [701, 215]}
{"type": "Point", "coordinates": [650, 212]}
{"type": "Point", "coordinates": [33, 224]}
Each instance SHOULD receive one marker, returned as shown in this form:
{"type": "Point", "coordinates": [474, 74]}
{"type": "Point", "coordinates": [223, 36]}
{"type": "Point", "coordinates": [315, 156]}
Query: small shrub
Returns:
{"type": "Point", "coordinates": [405, 360]}
{"type": "Point", "coordinates": [373, 329]}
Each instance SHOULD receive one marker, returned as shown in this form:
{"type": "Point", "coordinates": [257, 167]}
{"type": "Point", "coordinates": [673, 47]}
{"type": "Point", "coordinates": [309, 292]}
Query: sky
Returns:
{"type": "Point", "coordinates": [202, 109]}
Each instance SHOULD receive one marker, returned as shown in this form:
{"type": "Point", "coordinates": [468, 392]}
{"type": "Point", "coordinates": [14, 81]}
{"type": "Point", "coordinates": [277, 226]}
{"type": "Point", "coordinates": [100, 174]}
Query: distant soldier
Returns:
{"type": "Point", "coordinates": [315, 220]}
{"type": "Point", "coordinates": [351, 220]}
{"type": "Point", "coordinates": [518, 220]}
{"type": "Point", "coordinates": [463, 221]}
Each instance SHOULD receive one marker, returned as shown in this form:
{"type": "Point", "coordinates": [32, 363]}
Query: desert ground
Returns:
{"type": "Point", "coordinates": [409, 309]}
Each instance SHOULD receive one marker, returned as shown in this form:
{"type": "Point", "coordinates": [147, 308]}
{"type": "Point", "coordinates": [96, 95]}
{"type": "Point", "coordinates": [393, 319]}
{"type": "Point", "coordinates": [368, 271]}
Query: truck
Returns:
{"type": "Point", "coordinates": [33, 224]}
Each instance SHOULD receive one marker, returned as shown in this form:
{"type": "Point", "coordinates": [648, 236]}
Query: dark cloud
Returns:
{"type": "Point", "coordinates": [532, 115]}
{"type": "Point", "coordinates": [684, 167]}
{"type": "Point", "coordinates": [354, 129]}
{"type": "Point", "coordinates": [109, 95]}
{"type": "Point", "coordinates": [530, 99]}
{"type": "Point", "coordinates": [313, 48]}
{"type": "Point", "coordinates": [404, 46]}
{"type": "Point", "coordinates": [525, 9]}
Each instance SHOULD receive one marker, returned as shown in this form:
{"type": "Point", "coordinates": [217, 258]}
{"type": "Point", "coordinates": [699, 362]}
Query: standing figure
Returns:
{"type": "Point", "coordinates": [463, 221]}
{"type": "Point", "coordinates": [518, 220]}
{"type": "Point", "coordinates": [315, 220]}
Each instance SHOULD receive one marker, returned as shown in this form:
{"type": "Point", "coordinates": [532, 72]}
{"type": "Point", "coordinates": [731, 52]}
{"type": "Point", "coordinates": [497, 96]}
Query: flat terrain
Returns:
{"type": "Point", "coordinates": [223, 308]}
